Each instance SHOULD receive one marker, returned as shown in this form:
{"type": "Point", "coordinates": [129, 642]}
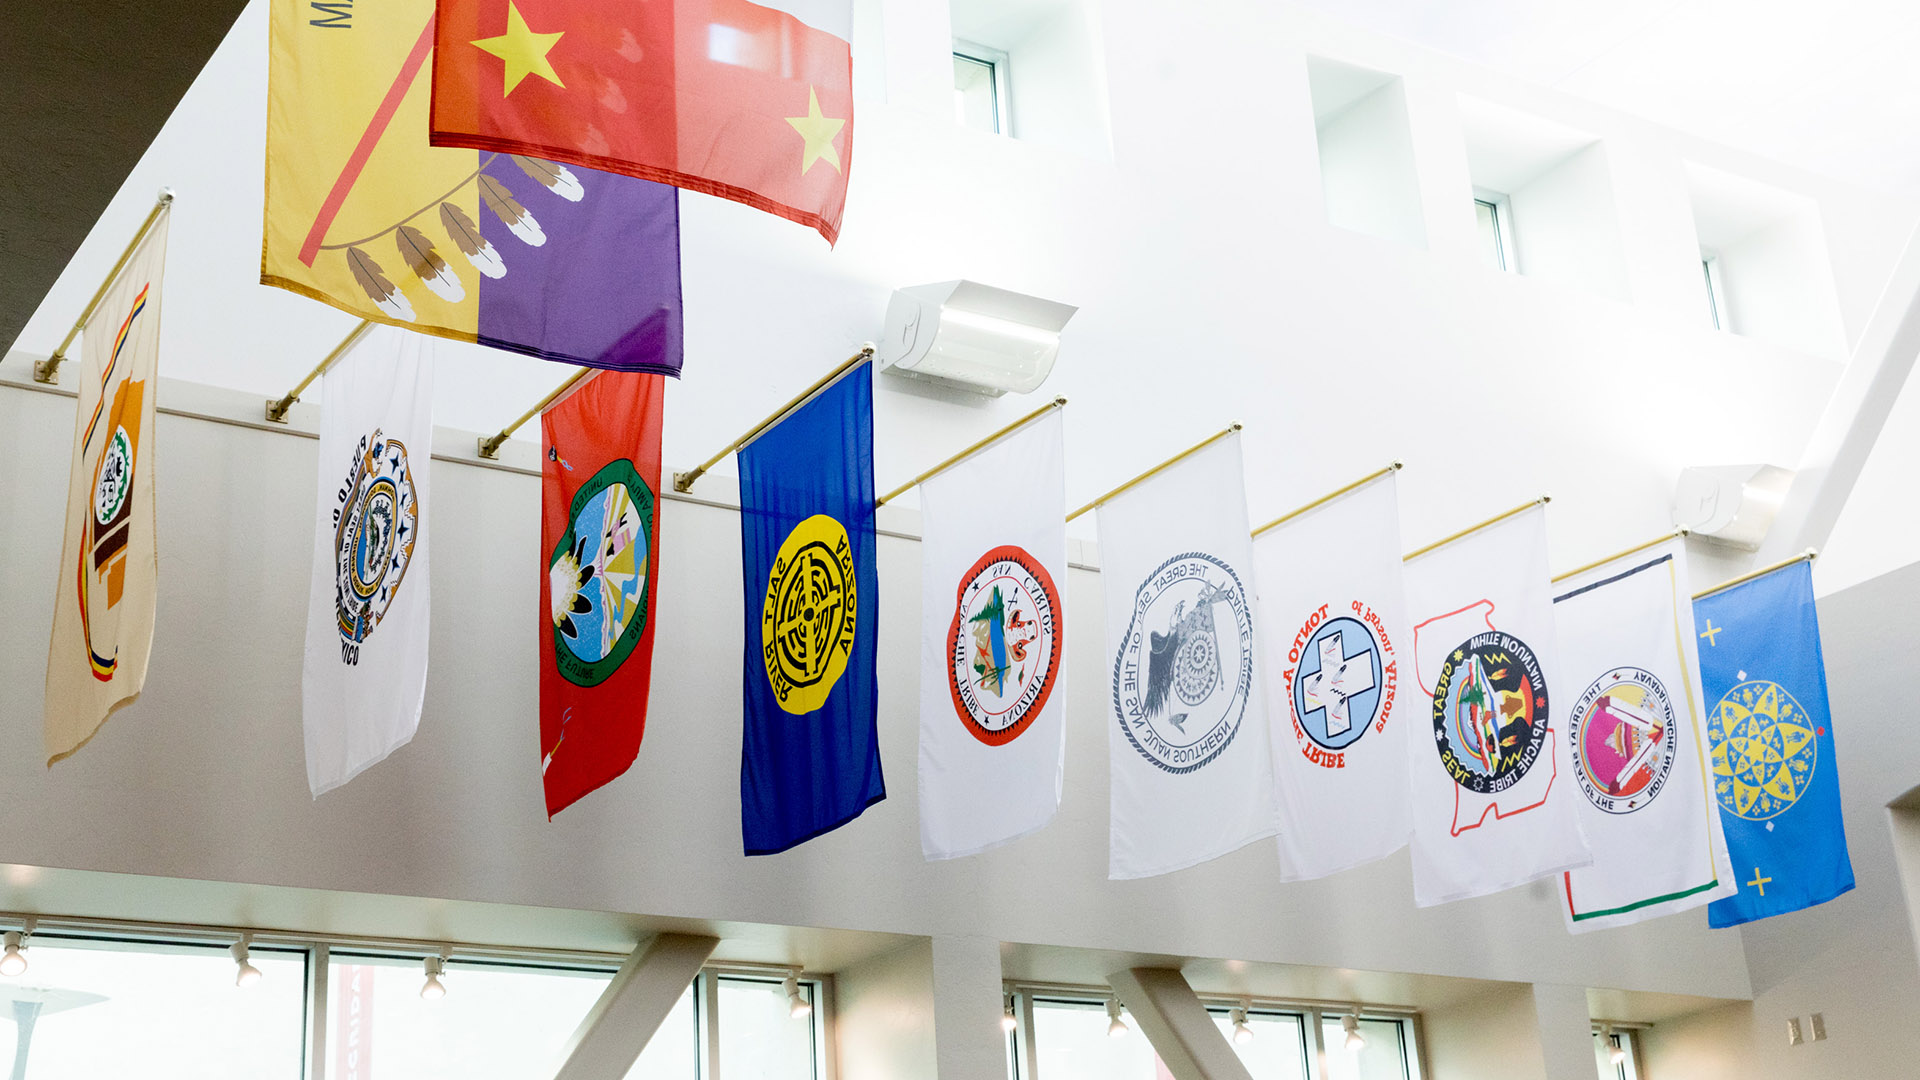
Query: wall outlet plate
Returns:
{"type": "Point", "coordinates": [1793, 1031]}
{"type": "Point", "coordinates": [1818, 1023]}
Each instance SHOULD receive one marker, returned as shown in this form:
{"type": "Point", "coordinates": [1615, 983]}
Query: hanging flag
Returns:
{"type": "Point", "coordinates": [104, 602]}
{"type": "Point", "coordinates": [992, 565]}
{"type": "Point", "coordinates": [1336, 646]}
{"type": "Point", "coordinates": [510, 251]}
{"type": "Point", "coordinates": [1774, 768]}
{"type": "Point", "coordinates": [810, 758]}
{"type": "Point", "coordinates": [1636, 725]}
{"type": "Point", "coordinates": [365, 675]}
{"type": "Point", "coordinates": [1192, 775]}
{"type": "Point", "coordinates": [748, 101]}
{"type": "Point", "coordinates": [1490, 807]}
{"type": "Point", "coordinates": [600, 559]}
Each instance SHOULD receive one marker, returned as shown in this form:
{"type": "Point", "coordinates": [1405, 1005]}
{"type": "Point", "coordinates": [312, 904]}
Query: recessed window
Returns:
{"type": "Point", "coordinates": [981, 96]}
{"type": "Point", "coordinates": [1716, 292]}
{"type": "Point", "coordinates": [1493, 217]}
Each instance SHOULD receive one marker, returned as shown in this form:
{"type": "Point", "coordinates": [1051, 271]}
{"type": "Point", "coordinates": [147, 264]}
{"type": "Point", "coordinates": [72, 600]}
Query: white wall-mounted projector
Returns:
{"type": "Point", "coordinates": [972, 336]}
{"type": "Point", "coordinates": [1730, 504]}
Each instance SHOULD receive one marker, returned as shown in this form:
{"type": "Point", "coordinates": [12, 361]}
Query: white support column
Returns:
{"type": "Point", "coordinates": [612, 1034]}
{"type": "Point", "coordinates": [1566, 1031]}
{"type": "Point", "coordinates": [968, 1041]}
{"type": "Point", "coordinates": [1170, 1015]}
{"type": "Point", "coordinates": [1854, 415]}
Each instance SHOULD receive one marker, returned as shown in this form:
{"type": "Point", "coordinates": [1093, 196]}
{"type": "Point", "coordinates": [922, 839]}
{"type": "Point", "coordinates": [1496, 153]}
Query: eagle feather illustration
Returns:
{"type": "Point", "coordinates": [428, 265]}
{"type": "Point", "coordinates": [499, 199]}
{"type": "Point", "coordinates": [378, 288]}
{"type": "Point", "coordinates": [466, 236]}
{"type": "Point", "coordinates": [553, 176]}
{"type": "Point", "coordinates": [1184, 661]}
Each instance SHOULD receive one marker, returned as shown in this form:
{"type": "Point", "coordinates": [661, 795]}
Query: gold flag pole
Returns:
{"type": "Point", "coordinates": [1160, 468]}
{"type": "Point", "coordinates": [970, 451]}
{"type": "Point", "coordinates": [48, 370]}
{"type": "Point", "coordinates": [683, 481]}
{"type": "Point", "coordinates": [1392, 467]}
{"type": "Point", "coordinates": [1680, 533]}
{"type": "Point", "coordinates": [1807, 555]}
{"type": "Point", "coordinates": [277, 409]}
{"type": "Point", "coordinates": [1471, 529]}
{"type": "Point", "coordinates": [490, 445]}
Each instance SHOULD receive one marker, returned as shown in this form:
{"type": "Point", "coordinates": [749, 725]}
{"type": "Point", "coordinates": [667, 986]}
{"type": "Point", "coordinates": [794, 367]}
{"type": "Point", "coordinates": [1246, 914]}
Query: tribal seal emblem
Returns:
{"type": "Point", "coordinates": [597, 575]}
{"type": "Point", "coordinates": [1622, 733]}
{"type": "Point", "coordinates": [375, 523]}
{"type": "Point", "coordinates": [1490, 712]}
{"type": "Point", "coordinates": [1765, 750]}
{"type": "Point", "coordinates": [1003, 646]}
{"type": "Point", "coordinates": [1183, 673]}
{"type": "Point", "coordinates": [1341, 677]}
{"type": "Point", "coordinates": [811, 611]}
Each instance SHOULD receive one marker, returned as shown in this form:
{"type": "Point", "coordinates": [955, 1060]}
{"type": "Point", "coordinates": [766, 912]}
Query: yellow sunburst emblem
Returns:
{"type": "Point", "coordinates": [812, 608]}
{"type": "Point", "coordinates": [1765, 750]}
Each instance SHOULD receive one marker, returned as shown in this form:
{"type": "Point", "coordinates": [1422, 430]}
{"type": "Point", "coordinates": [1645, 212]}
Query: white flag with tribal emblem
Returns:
{"type": "Point", "coordinates": [1637, 728]}
{"type": "Point", "coordinates": [1188, 741]}
{"type": "Point", "coordinates": [366, 659]}
{"type": "Point", "coordinates": [1493, 795]}
{"type": "Point", "coordinates": [993, 627]}
{"type": "Point", "coordinates": [1337, 650]}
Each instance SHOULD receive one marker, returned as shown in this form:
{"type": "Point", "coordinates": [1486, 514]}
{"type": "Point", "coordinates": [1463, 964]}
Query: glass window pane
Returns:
{"type": "Point", "coordinates": [759, 1037]}
{"type": "Point", "coordinates": [1487, 218]}
{"type": "Point", "coordinates": [1383, 1058]}
{"type": "Point", "coordinates": [85, 1010]}
{"type": "Point", "coordinates": [1277, 1050]}
{"type": "Point", "coordinates": [975, 94]}
{"type": "Point", "coordinates": [1071, 1042]}
{"type": "Point", "coordinates": [494, 1023]}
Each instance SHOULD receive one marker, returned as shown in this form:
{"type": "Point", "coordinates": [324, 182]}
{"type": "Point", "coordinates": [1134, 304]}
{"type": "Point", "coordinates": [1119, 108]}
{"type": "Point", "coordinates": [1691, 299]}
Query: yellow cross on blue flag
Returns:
{"type": "Point", "coordinates": [1774, 768]}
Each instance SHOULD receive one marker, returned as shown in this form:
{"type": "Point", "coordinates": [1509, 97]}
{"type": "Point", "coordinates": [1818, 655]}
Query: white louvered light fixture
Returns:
{"type": "Point", "coordinates": [974, 337]}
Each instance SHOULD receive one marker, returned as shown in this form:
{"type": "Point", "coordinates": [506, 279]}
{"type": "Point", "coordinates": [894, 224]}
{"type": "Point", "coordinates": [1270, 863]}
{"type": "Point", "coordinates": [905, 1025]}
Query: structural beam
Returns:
{"type": "Point", "coordinates": [1176, 1023]}
{"type": "Point", "coordinates": [1566, 1030]}
{"type": "Point", "coordinates": [611, 1036]}
{"type": "Point", "coordinates": [968, 1041]}
{"type": "Point", "coordinates": [1843, 437]}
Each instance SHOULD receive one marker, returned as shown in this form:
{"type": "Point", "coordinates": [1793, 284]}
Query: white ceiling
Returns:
{"type": "Point", "coordinates": [1826, 86]}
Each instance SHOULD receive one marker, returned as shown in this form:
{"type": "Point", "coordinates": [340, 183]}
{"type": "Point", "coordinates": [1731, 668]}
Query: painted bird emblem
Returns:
{"type": "Point", "coordinates": [1184, 661]}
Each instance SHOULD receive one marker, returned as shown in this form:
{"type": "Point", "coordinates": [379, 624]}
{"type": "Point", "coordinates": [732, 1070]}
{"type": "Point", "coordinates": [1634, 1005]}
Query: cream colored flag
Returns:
{"type": "Point", "coordinates": [103, 606]}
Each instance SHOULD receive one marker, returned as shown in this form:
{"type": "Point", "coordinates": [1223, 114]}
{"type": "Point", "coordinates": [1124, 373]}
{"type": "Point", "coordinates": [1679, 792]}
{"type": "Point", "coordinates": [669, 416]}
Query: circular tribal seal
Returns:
{"type": "Point", "coordinates": [114, 478]}
{"type": "Point", "coordinates": [1490, 712]}
{"type": "Point", "coordinates": [1765, 750]}
{"type": "Point", "coordinates": [1181, 678]}
{"type": "Point", "coordinates": [1003, 647]}
{"type": "Point", "coordinates": [1342, 678]}
{"type": "Point", "coordinates": [375, 525]}
{"type": "Point", "coordinates": [811, 611]}
{"type": "Point", "coordinates": [1622, 734]}
{"type": "Point", "coordinates": [597, 575]}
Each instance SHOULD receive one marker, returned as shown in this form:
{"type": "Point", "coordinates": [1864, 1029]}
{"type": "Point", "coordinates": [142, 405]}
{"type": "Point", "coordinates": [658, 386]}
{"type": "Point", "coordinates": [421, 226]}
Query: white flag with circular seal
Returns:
{"type": "Point", "coordinates": [1187, 737]}
{"type": "Point", "coordinates": [365, 675]}
{"type": "Point", "coordinates": [1493, 796]}
{"type": "Point", "coordinates": [1636, 724]}
{"type": "Point", "coordinates": [993, 627]}
{"type": "Point", "coordinates": [1338, 655]}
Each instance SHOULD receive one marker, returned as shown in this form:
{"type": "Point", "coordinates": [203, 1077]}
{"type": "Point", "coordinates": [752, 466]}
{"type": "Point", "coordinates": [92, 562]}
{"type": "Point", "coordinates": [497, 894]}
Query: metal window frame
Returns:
{"type": "Point", "coordinates": [1502, 206]}
{"type": "Point", "coordinates": [1717, 312]}
{"type": "Point", "coordinates": [1002, 65]}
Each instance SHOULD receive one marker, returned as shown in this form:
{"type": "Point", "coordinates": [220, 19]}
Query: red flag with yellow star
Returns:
{"type": "Point", "coordinates": [748, 101]}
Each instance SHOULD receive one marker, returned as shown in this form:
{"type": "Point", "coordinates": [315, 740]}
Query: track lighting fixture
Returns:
{"type": "Point", "coordinates": [1009, 1020]}
{"type": "Point", "coordinates": [798, 1006]}
{"type": "Point", "coordinates": [12, 960]}
{"type": "Point", "coordinates": [247, 974]}
{"type": "Point", "coordinates": [1242, 1034]}
{"type": "Point", "coordinates": [1615, 1052]}
{"type": "Point", "coordinates": [1350, 1024]}
{"type": "Point", "coordinates": [1116, 1027]}
{"type": "Point", "coordinates": [433, 989]}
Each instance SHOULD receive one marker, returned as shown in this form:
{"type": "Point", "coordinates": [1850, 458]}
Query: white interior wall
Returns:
{"type": "Point", "coordinates": [883, 1016]}
{"type": "Point", "coordinates": [1060, 83]}
{"type": "Point", "coordinates": [1567, 226]}
{"type": "Point", "coordinates": [1367, 173]}
{"type": "Point", "coordinates": [1494, 1036]}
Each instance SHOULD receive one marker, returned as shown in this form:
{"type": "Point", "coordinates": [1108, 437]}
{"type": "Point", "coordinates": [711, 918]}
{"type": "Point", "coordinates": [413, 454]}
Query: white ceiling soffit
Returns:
{"type": "Point", "coordinates": [1826, 87]}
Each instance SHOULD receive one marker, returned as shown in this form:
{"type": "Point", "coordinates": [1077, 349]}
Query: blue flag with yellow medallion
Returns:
{"type": "Point", "coordinates": [810, 761]}
{"type": "Point", "coordinates": [1774, 771]}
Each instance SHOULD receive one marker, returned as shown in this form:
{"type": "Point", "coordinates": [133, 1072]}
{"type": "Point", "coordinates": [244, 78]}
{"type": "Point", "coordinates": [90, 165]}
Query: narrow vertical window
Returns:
{"type": "Point", "coordinates": [980, 88]}
{"type": "Point", "coordinates": [1716, 292]}
{"type": "Point", "coordinates": [1493, 218]}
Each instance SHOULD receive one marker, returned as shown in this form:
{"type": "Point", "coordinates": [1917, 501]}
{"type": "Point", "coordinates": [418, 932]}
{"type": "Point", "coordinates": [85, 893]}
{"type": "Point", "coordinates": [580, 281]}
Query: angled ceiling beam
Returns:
{"type": "Point", "coordinates": [646, 988]}
{"type": "Point", "coordinates": [1176, 1023]}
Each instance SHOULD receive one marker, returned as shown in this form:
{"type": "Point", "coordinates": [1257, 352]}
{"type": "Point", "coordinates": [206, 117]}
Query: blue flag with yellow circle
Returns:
{"type": "Point", "coordinates": [1774, 772]}
{"type": "Point", "coordinates": [810, 761]}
